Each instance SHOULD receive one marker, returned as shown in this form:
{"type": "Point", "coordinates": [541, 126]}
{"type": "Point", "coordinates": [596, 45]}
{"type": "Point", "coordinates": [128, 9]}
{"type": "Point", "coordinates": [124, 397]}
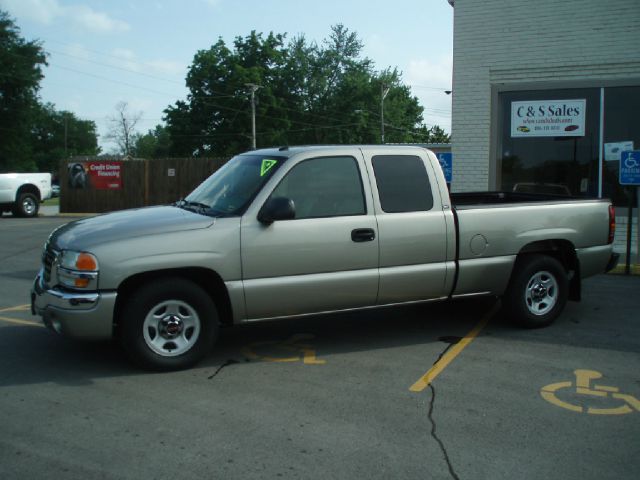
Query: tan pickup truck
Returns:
{"type": "Point", "coordinates": [307, 230]}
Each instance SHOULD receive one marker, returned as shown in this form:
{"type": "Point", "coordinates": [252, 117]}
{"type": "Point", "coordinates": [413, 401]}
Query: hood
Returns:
{"type": "Point", "coordinates": [83, 234]}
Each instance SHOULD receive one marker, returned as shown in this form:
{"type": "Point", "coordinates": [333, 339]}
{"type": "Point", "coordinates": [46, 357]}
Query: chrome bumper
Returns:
{"type": "Point", "coordinates": [79, 315]}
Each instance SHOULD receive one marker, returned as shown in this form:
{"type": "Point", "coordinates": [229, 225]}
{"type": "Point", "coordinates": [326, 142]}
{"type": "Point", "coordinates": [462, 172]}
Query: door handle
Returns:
{"type": "Point", "coordinates": [363, 235]}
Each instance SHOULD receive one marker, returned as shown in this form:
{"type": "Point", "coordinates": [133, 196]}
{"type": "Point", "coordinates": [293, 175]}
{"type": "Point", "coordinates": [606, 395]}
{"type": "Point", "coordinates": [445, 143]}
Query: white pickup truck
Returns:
{"type": "Point", "coordinates": [306, 230]}
{"type": "Point", "coordinates": [21, 193]}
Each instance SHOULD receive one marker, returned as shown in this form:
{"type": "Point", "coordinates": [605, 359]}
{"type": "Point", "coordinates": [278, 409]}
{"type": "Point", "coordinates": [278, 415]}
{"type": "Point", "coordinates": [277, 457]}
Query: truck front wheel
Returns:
{"type": "Point", "coordinates": [538, 291]}
{"type": "Point", "coordinates": [169, 324]}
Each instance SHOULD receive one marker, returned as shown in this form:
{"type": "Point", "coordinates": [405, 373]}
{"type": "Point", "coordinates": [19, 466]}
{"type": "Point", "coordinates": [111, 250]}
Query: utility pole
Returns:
{"type": "Point", "coordinates": [384, 90]}
{"type": "Point", "coordinates": [253, 88]}
{"type": "Point", "coordinates": [66, 121]}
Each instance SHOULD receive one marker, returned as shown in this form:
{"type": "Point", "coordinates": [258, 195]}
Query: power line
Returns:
{"type": "Point", "coordinates": [116, 57]}
{"type": "Point", "coordinates": [442, 89]}
{"type": "Point", "coordinates": [218, 95]}
{"type": "Point", "coordinates": [119, 68]}
{"type": "Point", "coordinates": [146, 89]}
{"type": "Point", "coordinates": [209, 103]}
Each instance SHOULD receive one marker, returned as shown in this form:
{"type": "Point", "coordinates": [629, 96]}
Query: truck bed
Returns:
{"type": "Point", "coordinates": [468, 200]}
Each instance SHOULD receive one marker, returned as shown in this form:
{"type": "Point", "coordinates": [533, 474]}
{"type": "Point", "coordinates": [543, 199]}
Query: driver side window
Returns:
{"type": "Point", "coordinates": [324, 187]}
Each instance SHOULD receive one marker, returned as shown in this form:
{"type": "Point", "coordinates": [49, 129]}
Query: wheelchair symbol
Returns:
{"type": "Point", "coordinates": [631, 162]}
{"type": "Point", "coordinates": [289, 350]}
{"type": "Point", "coordinates": [582, 387]}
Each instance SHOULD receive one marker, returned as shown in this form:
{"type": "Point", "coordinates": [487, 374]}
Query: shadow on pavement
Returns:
{"type": "Point", "coordinates": [31, 355]}
{"type": "Point", "coordinates": [602, 320]}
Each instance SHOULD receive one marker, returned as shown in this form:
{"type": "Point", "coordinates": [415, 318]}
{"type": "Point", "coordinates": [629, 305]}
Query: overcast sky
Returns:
{"type": "Point", "coordinates": [104, 52]}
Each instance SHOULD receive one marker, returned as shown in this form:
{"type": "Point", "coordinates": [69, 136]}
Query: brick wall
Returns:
{"type": "Point", "coordinates": [620, 240]}
{"type": "Point", "coordinates": [510, 43]}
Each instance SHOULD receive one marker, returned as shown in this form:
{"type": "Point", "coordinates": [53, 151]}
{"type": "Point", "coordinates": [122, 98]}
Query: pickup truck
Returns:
{"type": "Point", "coordinates": [21, 193]}
{"type": "Point", "coordinates": [293, 231]}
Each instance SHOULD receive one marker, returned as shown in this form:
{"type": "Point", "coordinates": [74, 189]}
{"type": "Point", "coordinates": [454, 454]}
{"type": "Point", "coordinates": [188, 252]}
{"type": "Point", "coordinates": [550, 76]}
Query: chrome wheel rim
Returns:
{"type": "Point", "coordinates": [29, 206]}
{"type": "Point", "coordinates": [541, 294]}
{"type": "Point", "coordinates": [171, 328]}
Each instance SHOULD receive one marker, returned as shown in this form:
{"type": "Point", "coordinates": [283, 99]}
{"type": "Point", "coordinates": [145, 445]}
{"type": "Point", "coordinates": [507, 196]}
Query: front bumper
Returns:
{"type": "Point", "coordinates": [86, 316]}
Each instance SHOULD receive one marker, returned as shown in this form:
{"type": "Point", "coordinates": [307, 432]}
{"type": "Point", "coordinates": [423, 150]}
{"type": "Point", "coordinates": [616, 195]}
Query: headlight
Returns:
{"type": "Point", "coordinates": [78, 269]}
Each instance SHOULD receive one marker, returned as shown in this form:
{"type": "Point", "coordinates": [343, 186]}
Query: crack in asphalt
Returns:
{"type": "Point", "coordinates": [451, 341]}
{"type": "Point", "coordinates": [436, 438]}
{"type": "Point", "coordinates": [231, 361]}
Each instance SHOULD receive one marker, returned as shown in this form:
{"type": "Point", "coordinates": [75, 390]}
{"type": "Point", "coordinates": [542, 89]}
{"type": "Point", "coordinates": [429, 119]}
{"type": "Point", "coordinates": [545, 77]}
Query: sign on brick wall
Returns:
{"type": "Point", "coordinates": [630, 168]}
{"type": "Point", "coordinates": [446, 162]}
{"type": "Point", "coordinates": [548, 118]}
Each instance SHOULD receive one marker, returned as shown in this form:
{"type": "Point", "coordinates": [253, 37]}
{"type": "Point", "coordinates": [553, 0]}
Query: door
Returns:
{"type": "Point", "coordinates": [416, 241]}
{"type": "Point", "coordinates": [324, 259]}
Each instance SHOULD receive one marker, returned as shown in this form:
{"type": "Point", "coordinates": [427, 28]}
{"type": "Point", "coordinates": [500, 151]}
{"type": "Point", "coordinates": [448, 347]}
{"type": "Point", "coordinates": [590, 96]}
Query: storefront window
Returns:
{"type": "Point", "coordinates": [531, 159]}
{"type": "Point", "coordinates": [621, 132]}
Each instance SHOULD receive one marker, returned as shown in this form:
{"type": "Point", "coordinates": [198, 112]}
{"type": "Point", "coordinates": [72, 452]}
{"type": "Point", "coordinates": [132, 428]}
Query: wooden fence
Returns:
{"type": "Point", "coordinates": [143, 182]}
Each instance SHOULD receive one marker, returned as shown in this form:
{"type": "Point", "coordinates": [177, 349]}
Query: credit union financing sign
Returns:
{"type": "Point", "coordinates": [98, 175]}
{"type": "Point", "coordinates": [548, 118]}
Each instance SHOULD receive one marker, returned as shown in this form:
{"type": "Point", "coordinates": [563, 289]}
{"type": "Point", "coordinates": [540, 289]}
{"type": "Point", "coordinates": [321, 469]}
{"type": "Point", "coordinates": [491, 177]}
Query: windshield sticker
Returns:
{"type": "Point", "coordinates": [267, 165]}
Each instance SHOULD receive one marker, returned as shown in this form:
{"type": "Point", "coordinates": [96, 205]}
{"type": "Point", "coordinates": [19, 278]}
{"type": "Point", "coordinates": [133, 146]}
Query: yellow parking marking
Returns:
{"type": "Point", "coordinates": [549, 394]}
{"type": "Point", "coordinates": [583, 388]}
{"type": "Point", "coordinates": [20, 322]}
{"type": "Point", "coordinates": [18, 308]}
{"type": "Point", "coordinates": [453, 352]}
{"type": "Point", "coordinates": [283, 351]}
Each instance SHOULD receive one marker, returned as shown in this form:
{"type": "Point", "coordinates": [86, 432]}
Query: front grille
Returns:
{"type": "Point", "coordinates": [49, 257]}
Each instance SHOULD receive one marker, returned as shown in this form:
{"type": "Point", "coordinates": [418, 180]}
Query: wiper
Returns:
{"type": "Point", "coordinates": [198, 207]}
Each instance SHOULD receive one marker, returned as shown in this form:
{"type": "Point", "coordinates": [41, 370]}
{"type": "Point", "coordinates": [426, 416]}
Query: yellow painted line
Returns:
{"type": "Point", "coordinates": [290, 345]}
{"type": "Point", "coordinates": [20, 322]}
{"type": "Point", "coordinates": [583, 380]}
{"type": "Point", "coordinates": [620, 269]}
{"type": "Point", "coordinates": [453, 352]}
{"type": "Point", "coordinates": [18, 308]}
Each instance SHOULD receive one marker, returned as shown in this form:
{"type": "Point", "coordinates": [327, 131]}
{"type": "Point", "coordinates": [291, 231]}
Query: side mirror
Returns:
{"type": "Point", "coordinates": [278, 208]}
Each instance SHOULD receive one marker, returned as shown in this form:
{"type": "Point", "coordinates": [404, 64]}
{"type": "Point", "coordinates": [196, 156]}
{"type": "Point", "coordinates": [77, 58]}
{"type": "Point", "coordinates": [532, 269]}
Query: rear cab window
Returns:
{"type": "Point", "coordinates": [403, 183]}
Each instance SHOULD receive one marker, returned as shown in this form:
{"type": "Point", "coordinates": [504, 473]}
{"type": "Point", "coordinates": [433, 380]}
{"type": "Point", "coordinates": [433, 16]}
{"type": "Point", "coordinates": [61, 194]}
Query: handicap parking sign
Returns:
{"type": "Point", "coordinates": [446, 162]}
{"type": "Point", "coordinates": [630, 167]}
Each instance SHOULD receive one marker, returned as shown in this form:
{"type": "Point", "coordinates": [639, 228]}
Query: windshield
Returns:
{"type": "Point", "coordinates": [230, 189]}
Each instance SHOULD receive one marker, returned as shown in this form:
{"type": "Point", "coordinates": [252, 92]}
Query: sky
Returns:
{"type": "Point", "coordinates": [101, 53]}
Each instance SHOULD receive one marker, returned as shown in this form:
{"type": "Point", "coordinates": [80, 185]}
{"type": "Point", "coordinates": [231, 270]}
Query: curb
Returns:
{"type": "Point", "coordinates": [68, 215]}
{"type": "Point", "coordinates": [71, 215]}
{"type": "Point", "coordinates": [620, 268]}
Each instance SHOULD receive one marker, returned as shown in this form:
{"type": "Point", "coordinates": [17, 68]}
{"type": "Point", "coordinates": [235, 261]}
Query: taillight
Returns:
{"type": "Point", "coordinates": [612, 223]}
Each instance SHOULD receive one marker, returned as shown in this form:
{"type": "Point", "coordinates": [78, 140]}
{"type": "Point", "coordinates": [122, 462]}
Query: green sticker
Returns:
{"type": "Point", "coordinates": [266, 166]}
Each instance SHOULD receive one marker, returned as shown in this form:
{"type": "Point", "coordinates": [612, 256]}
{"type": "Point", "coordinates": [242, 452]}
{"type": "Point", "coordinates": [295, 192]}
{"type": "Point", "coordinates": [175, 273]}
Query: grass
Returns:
{"type": "Point", "coordinates": [52, 202]}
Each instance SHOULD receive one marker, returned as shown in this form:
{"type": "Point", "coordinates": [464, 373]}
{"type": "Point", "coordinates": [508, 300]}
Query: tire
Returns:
{"type": "Point", "coordinates": [537, 293]}
{"type": "Point", "coordinates": [26, 206]}
{"type": "Point", "coordinates": [168, 324]}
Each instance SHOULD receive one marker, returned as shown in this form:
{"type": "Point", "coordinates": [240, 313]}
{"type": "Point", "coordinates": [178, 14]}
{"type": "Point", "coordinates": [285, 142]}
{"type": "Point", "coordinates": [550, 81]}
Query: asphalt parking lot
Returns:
{"type": "Point", "coordinates": [341, 396]}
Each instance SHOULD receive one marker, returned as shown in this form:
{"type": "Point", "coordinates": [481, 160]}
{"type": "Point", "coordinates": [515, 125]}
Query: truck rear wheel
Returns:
{"type": "Point", "coordinates": [538, 291]}
{"type": "Point", "coordinates": [169, 324]}
{"type": "Point", "coordinates": [26, 206]}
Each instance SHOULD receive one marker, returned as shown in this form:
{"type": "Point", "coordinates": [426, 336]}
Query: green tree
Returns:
{"type": "Point", "coordinates": [309, 93]}
{"type": "Point", "coordinates": [435, 134]}
{"type": "Point", "coordinates": [216, 118]}
{"type": "Point", "coordinates": [56, 135]}
{"type": "Point", "coordinates": [155, 143]}
{"type": "Point", "coordinates": [438, 135]}
{"type": "Point", "coordinates": [21, 64]}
